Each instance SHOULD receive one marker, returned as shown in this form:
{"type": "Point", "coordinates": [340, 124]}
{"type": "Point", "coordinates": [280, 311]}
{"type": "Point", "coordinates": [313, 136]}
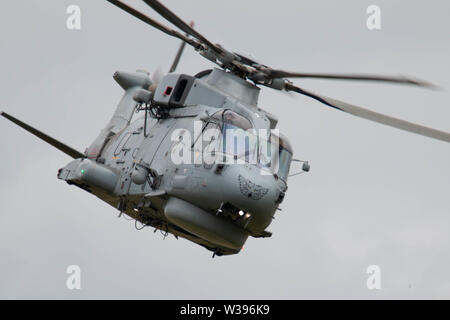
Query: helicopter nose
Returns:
{"type": "Point", "coordinates": [254, 193]}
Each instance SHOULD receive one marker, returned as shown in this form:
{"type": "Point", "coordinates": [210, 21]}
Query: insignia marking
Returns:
{"type": "Point", "coordinates": [251, 190]}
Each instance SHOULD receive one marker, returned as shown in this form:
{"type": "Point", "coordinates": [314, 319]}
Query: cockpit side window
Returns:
{"type": "Point", "coordinates": [232, 118]}
{"type": "Point", "coordinates": [276, 156]}
{"type": "Point", "coordinates": [238, 141]}
{"type": "Point", "coordinates": [206, 144]}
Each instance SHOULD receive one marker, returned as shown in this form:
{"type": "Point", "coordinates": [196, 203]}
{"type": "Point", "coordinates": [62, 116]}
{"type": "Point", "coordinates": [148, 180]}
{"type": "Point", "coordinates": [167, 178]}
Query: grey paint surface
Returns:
{"type": "Point", "coordinates": [375, 195]}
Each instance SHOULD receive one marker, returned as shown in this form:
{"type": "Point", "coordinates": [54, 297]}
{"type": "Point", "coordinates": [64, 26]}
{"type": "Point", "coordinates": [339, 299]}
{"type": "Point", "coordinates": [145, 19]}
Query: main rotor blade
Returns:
{"type": "Point", "coordinates": [179, 53]}
{"type": "Point", "coordinates": [173, 18]}
{"type": "Point", "coordinates": [275, 74]}
{"type": "Point", "coordinates": [177, 57]}
{"type": "Point", "coordinates": [373, 116]}
{"type": "Point", "coordinates": [152, 22]}
{"type": "Point", "coordinates": [57, 144]}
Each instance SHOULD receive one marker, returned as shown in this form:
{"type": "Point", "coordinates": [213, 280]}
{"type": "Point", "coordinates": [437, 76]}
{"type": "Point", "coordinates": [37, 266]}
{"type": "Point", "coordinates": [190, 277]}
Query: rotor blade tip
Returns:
{"type": "Point", "coordinates": [422, 83]}
{"type": "Point", "coordinates": [427, 85]}
{"type": "Point", "coordinates": [432, 86]}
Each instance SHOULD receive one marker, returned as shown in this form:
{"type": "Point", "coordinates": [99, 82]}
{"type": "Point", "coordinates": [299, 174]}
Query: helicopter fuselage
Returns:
{"type": "Point", "coordinates": [216, 205]}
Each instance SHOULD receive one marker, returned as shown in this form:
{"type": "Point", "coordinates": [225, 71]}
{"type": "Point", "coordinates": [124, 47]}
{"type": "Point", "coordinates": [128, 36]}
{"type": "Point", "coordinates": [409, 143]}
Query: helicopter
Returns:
{"type": "Point", "coordinates": [216, 204]}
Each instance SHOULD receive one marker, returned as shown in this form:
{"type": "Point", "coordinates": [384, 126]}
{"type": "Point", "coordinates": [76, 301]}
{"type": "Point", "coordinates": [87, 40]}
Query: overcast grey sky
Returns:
{"type": "Point", "coordinates": [375, 195]}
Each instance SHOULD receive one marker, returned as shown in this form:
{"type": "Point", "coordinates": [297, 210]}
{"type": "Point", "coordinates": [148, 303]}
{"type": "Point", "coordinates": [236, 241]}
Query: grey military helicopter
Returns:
{"type": "Point", "coordinates": [216, 205]}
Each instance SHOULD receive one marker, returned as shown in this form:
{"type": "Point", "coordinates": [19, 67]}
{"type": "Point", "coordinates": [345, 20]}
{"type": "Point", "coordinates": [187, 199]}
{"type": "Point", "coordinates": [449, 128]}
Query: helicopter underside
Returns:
{"type": "Point", "coordinates": [148, 210]}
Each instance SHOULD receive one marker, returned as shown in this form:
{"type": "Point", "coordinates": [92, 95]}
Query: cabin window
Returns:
{"type": "Point", "coordinates": [207, 145]}
{"type": "Point", "coordinates": [238, 143]}
{"type": "Point", "coordinates": [276, 156]}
